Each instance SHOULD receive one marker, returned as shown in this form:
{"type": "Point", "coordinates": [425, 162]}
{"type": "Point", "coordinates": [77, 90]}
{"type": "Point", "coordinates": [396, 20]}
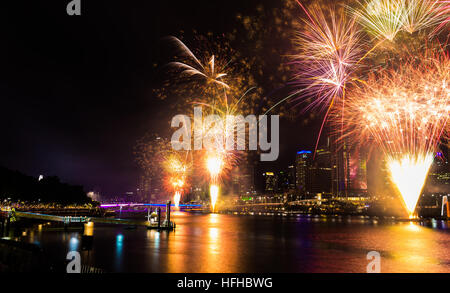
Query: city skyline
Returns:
{"type": "Point", "coordinates": [305, 178]}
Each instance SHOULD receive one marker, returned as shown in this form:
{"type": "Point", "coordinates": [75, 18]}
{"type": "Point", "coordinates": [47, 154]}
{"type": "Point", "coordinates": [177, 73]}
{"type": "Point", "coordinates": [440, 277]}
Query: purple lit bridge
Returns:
{"type": "Point", "coordinates": [122, 205]}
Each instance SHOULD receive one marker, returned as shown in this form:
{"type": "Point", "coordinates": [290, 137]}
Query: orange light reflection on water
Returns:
{"type": "Point", "coordinates": [413, 249]}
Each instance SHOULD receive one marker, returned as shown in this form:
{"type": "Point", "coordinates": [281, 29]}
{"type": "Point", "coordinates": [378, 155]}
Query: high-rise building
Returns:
{"type": "Point", "coordinates": [270, 181]}
{"type": "Point", "coordinates": [438, 180]}
{"type": "Point", "coordinates": [143, 190]}
{"type": "Point", "coordinates": [303, 162]}
{"type": "Point", "coordinates": [358, 172]}
{"type": "Point", "coordinates": [321, 173]}
{"type": "Point", "coordinates": [349, 170]}
{"type": "Point", "coordinates": [291, 176]}
{"type": "Point", "coordinates": [282, 181]}
{"type": "Point", "coordinates": [199, 187]}
{"type": "Point", "coordinates": [243, 179]}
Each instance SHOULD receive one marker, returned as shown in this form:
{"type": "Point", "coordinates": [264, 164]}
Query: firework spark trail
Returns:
{"type": "Point", "coordinates": [409, 174]}
{"type": "Point", "coordinates": [329, 50]}
{"type": "Point", "coordinates": [214, 164]}
{"type": "Point", "coordinates": [177, 198]}
{"type": "Point", "coordinates": [214, 193]}
{"type": "Point", "coordinates": [406, 111]}
{"type": "Point", "coordinates": [422, 14]}
{"type": "Point", "coordinates": [382, 18]}
{"type": "Point", "coordinates": [445, 12]}
{"type": "Point", "coordinates": [221, 104]}
{"type": "Point", "coordinates": [177, 167]}
{"type": "Point", "coordinates": [207, 71]}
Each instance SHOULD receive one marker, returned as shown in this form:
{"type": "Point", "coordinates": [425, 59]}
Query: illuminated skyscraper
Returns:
{"type": "Point", "coordinates": [321, 173]}
{"type": "Point", "coordinates": [243, 179]}
{"type": "Point", "coordinates": [291, 176]}
{"type": "Point", "coordinates": [286, 180]}
{"type": "Point", "coordinates": [438, 180]}
{"type": "Point", "coordinates": [303, 162]}
{"type": "Point", "coordinates": [143, 190]}
{"type": "Point", "coordinates": [349, 170]}
{"type": "Point", "coordinates": [270, 181]}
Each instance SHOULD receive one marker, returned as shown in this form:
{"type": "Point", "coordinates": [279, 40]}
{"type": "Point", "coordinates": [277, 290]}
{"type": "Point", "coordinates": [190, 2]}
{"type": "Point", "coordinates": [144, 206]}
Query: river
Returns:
{"type": "Point", "coordinates": [207, 243]}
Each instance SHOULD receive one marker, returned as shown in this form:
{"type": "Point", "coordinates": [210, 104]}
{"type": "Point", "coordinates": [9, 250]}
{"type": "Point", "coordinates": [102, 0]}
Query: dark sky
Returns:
{"type": "Point", "coordinates": [76, 91]}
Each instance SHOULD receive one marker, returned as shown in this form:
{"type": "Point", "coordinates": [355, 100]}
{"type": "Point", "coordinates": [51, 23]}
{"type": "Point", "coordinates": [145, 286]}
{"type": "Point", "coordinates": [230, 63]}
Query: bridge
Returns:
{"type": "Point", "coordinates": [274, 204]}
{"type": "Point", "coordinates": [38, 216]}
{"type": "Point", "coordinates": [121, 205]}
{"type": "Point", "coordinates": [258, 204]}
{"type": "Point", "coordinates": [68, 220]}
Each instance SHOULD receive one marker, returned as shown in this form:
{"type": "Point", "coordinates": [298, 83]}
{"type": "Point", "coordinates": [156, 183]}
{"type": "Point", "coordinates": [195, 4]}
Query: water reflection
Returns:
{"type": "Point", "coordinates": [213, 240]}
{"type": "Point", "coordinates": [414, 249]}
{"type": "Point", "coordinates": [213, 233]}
{"type": "Point", "coordinates": [89, 229]}
{"type": "Point", "coordinates": [179, 252]}
{"type": "Point", "coordinates": [73, 244]}
{"type": "Point", "coordinates": [413, 227]}
{"type": "Point", "coordinates": [119, 249]}
{"type": "Point", "coordinates": [213, 218]}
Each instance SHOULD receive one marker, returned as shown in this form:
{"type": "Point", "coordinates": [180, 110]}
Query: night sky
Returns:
{"type": "Point", "coordinates": [76, 91]}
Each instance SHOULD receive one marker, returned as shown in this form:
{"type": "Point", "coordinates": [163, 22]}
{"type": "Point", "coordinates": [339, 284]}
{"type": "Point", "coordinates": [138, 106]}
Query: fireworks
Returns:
{"type": "Point", "coordinates": [203, 82]}
{"type": "Point", "coordinates": [177, 198]}
{"type": "Point", "coordinates": [329, 51]}
{"type": "Point", "coordinates": [382, 18]}
{"type": "Point", "coordinates": [178, 185]}
{"type": "Point", "coordinates": [176, 166]}
{"type": "Point", "coordinates": [445, 12]}
{"type": "Point", "coordinates": [405, 110]}
{"type": "Point", "coordinates": [409, 174]}
{"type": "Point", "coordinates": [214, 165]}
{"type": "Point", "coordinates": [214, 193]}
{"type": "Point", "coordinates": [422, 14]}
{"type": "Point", "coordinates": [331, 44]}
{"type": "Point", "coordinates": [208, 71]}
{"type": "Point", "coordinates": [220, 155]}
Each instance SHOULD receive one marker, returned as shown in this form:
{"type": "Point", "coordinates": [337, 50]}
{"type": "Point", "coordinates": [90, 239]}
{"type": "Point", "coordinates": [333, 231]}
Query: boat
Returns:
{"type": "Point", "coordinates": [154, 219]}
